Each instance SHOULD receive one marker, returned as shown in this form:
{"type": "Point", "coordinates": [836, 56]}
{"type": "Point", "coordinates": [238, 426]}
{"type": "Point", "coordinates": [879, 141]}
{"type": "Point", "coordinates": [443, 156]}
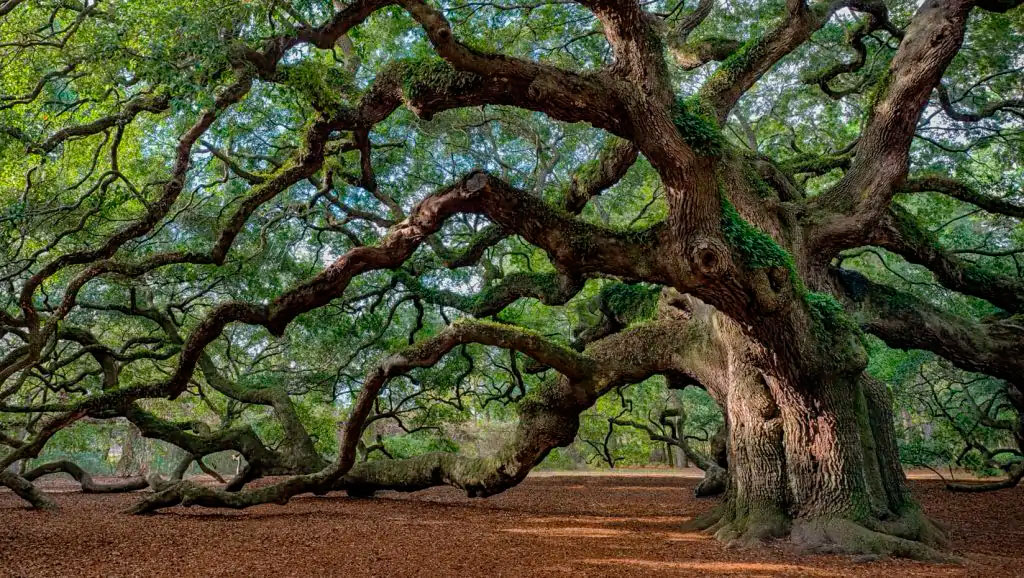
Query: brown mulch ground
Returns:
{"type": "Point", "coordinates": [550, 525]}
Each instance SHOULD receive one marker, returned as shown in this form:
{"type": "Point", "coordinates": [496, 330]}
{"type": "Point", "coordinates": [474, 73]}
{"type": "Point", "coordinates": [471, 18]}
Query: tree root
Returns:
{"type": "Point", "coordinates": [706, 520]}
{"type": "Point", "coordinates": [750, 531]}
{"type": "Point", "coordinates": [740, 531]}
{"type": "Point", "coordinates": [715, 482]}
{"type": "Point", "coordinates": [912, 535]}
{"type": "Point", "coordinates": [842, 536]}
{"type": "Point", "coordinates": [912, 525]}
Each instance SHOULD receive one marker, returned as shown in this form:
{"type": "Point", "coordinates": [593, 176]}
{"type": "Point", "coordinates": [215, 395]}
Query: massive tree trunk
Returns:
{"type": "Point", "coordinates": [821, 469]}
{"type": "Point", "coordinates": [812, 456]}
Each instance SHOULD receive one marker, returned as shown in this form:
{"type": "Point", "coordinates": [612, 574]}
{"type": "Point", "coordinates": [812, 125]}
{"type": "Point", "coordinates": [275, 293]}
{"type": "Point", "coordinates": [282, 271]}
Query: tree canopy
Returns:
{"type": "Point", "coordinates": [334, 237]}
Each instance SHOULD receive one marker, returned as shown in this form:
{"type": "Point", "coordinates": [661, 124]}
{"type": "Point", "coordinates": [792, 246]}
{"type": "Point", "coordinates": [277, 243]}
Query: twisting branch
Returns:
{"type": "Point", "coordinates": [875, 20]}
{"type": "Point", "coordinates": [853, 206]}
{"type": "Point", "coordinates": [899, 232]}
{"type": "Point", "coordinates": [905, 321]}
{"type": "Point", "coordinates": [1014, 106]}
{"type": "Point", "coordinates": [83, 477]}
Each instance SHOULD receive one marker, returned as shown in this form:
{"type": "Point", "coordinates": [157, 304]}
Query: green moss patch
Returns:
{"type": "Point", "coordinates": [434, 76]}
{"type": "Point", "coordinates": [697, 125]}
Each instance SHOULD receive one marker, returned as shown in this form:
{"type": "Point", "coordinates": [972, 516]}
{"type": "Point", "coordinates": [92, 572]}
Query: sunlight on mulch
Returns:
{"type": "Point", "coordinates": [549, 525]}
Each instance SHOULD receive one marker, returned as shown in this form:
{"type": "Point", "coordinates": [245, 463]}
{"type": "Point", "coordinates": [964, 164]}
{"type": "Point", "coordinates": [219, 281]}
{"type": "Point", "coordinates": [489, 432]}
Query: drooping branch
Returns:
{"type": "Point", "coordinates": [1013, 478]}
{"type": "Point", "coordinates": [589, 180]}
{"type": "Point", "coordinates": [297, 451]}
{"type": "Point", "coordinates": [89, 485]}
{"type": "Point", "coordinates": [548, 418]}
{"type": "Point", "coordinates": [425, 354]}
{"type": "Point", "coordinates": [579, 247]}
{"type": "Point", "coordinates": [134, 107]}
{"type": "Point", "coordinates": [199, 442]}
{"type": "Point", "coordinates": [31, 448]}
{"type": "Point", "coordinates": [26, 491]}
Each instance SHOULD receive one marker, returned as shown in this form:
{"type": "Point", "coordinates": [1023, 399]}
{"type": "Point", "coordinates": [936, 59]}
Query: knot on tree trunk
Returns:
{"type": "Point", "coordinates": [709, 257]}
{"type": "Point", "coordinates": [771, 288]}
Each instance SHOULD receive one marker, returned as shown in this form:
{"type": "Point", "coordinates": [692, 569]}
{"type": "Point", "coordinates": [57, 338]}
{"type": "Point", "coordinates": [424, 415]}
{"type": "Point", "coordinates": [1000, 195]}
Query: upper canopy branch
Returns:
{"type": "Point", "coordinates": [561, 94]}
{"type": "Point", "coordinates": [737, 73]}
{"type": "Point", "coordinates": [877, 19]}
{"type": "Point", "coordinates": [1014, 106]}
{"type": "Point", "coordinates": [861, 197]}
{"type": "Point", "coordinates": [629, 30]}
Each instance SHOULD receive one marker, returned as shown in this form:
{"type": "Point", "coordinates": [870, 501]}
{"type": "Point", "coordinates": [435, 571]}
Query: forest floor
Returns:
{"type": "Point", "coordinates": [621, 525]}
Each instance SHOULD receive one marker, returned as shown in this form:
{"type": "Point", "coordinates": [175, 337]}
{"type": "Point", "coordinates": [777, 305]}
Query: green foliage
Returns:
{"type": "Point", "coordinates": [411, 445]}
{"type": "Point", "coordinates": [427, 76]}
{"type": "Point", "coordinates": [697, 125]}
{"type": "Point", "coordinates": [756, 247]}
{"type": "Point", "coordinates": [323, 85]}
{"type": "Point", "coordinates": [631, 301]}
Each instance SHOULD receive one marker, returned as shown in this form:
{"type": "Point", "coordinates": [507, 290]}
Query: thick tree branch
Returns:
{"type": "Point", "coordinates": [26, 491]}
{"type": "Point", "coordinates": [905, 321]}
{"type": "Point", "coordinates": [83, 477]}
{"type": "Point", "coordinates": [852, 207]}
{"type": "Point", "coordinates": [963, 192]}
{"type": "Point", "coordinates": [899, 232]}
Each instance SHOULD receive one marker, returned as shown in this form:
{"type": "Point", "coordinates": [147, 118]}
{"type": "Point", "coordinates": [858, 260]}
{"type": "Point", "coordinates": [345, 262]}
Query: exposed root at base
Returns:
{"type": "Point", "coordinates": [842, 536]}
{"type": "Point", "coordinates": [749, 531]}
{"type": "Point", "coordinates": [705, 520]}
{"type": "Point", "coordinates": [912, 536]}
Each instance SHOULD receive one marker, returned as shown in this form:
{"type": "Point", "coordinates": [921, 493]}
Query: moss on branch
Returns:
{"type": "Point", "coordinates": [757, 248]}
{"type": "Point", "coordinates": [696, 123]}
{"type": "Point", "coordinates": [425, 76]}
{"type": "Point", "coordinates": [630, 302]}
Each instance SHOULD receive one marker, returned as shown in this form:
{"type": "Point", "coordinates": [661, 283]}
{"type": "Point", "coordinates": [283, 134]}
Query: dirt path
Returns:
{"type": "Point", "coordinates": [549, 525]}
